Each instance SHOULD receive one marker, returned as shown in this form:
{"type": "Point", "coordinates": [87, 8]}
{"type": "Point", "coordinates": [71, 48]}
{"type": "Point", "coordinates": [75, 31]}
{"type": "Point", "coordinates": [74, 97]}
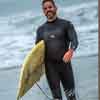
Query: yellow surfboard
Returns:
{"type": "Point", "coordinates": [31, 69]}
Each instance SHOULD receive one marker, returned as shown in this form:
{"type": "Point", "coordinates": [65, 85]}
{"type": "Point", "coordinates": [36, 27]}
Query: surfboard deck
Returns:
{"type": "Point", "coordinates": [31, 70]}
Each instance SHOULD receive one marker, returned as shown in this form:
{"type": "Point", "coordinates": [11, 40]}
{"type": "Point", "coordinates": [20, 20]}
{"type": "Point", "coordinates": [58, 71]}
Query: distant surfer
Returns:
{"type": "Point", "coordinates": [61, 41]}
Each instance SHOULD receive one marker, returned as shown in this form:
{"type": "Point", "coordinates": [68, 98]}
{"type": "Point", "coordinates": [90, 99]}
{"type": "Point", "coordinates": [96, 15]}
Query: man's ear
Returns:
{"type": "Point", "coordinates": [56, 8]}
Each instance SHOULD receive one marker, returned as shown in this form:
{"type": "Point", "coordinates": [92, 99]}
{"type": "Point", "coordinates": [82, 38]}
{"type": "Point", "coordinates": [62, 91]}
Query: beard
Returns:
{"type": "Point", "coordinates": [50, 15]}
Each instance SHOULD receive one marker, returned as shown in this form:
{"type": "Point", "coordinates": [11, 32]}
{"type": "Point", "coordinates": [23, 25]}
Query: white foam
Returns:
{"type": "Point", "coordinates": [85, 28]}
{"type": "Point", "coordinates": [19, 23]}
{"type": "Point", "coordinates": [74, 8]}
{"type": "Point", "coordinates": [21, 38]}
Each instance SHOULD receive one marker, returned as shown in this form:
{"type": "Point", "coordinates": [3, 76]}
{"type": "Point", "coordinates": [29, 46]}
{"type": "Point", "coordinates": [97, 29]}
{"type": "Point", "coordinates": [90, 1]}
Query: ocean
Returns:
{"type": "Point", "coordinates": [19, 21]}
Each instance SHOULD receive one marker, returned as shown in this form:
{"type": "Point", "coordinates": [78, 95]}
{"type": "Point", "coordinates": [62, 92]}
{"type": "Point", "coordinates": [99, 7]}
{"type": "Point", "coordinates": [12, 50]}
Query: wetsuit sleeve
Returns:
{"type": "Point", "coordinates": [38, 35]}
{"type": "Point", "coordinates": [72, 36]}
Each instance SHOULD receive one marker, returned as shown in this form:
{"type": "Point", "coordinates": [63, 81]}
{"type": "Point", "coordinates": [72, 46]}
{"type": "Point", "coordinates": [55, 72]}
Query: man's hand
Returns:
{"type": "Point", "coordinates": [68, 56]}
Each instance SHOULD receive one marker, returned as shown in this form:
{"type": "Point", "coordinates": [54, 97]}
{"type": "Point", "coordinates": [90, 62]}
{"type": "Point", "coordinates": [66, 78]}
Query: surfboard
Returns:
{"type": "Point", "coordinates": [31, 70]}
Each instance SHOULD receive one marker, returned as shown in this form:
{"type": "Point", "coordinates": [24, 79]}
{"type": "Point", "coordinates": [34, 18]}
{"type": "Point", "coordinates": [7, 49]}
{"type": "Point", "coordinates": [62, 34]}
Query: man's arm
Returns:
{"type": "Point", "coordinates": [38, 35]}
{"type": "Point", "coordinates": [72, 36]}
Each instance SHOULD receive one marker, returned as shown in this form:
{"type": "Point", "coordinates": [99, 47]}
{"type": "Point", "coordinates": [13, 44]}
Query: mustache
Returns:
{"type": "Point", "coordinates": [49, 12]}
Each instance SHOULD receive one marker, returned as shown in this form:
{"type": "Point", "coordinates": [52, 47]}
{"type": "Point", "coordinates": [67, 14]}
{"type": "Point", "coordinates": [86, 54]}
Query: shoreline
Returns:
{"type": "Point", "coordinates": [86, 80]}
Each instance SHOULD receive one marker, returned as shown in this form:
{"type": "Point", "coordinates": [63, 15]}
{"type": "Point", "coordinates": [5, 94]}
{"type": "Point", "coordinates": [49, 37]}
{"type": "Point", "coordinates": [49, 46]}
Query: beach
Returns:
{"type": "Point", "coordinates": [18, 25]}
{"type": "Point", "coordinates": [86, 81]}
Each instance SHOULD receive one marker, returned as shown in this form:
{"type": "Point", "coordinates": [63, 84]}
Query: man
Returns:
{"type": "Point", "coordinates": [60, 41]}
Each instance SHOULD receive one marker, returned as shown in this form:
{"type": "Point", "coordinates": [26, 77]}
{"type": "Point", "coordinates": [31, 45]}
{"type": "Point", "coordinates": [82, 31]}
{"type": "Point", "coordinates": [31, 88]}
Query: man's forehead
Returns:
{"type": "Point", "coordinates": [48, 2]}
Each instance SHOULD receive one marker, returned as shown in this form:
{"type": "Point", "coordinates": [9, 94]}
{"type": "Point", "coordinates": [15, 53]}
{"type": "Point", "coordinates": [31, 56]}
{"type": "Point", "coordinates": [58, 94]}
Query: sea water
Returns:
{"type": "Point", "coordinates": [19, 20]}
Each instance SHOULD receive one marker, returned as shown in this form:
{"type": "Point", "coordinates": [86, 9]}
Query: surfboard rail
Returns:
{"type": "Point", "coordinates": [31, 70]}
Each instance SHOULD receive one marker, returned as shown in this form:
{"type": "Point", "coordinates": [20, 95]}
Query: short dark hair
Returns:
{"type": "Point", "coordinates": [52, 1]}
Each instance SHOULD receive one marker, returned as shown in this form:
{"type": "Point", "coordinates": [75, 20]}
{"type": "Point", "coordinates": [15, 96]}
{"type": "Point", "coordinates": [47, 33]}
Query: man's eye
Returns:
{"type": "Point", "coordinates": [44, 8]}
{"type": "Point", "coordinates": [50, 7]}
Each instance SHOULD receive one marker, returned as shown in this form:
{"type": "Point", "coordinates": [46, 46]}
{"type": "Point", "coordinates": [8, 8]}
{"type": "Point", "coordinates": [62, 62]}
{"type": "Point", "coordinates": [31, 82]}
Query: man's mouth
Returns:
{"type": "Point", "coordinates": [49, 12]}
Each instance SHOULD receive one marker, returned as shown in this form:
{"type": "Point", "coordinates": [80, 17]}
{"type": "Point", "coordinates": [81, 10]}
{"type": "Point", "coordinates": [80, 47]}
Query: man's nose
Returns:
{"type": "Point", "coordinates": [48, 9]}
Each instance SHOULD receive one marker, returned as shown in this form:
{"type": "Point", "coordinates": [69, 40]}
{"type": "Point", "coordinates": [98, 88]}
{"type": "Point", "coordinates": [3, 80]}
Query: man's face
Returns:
{"type": "Point", "coordinates": [49, 10]}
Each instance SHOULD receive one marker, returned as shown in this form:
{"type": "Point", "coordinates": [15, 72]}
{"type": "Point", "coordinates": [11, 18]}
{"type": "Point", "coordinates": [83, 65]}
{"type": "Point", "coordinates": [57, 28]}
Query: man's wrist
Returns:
{"type": "Point", "coordinates": [71, 50]}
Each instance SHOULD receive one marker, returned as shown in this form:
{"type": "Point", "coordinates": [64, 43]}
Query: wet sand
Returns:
{"type": "Point", "coordinates": [86, 79]}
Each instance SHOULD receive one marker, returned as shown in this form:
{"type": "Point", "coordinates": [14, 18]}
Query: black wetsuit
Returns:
{"type": "Point", "coordinates": [59, 36]}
